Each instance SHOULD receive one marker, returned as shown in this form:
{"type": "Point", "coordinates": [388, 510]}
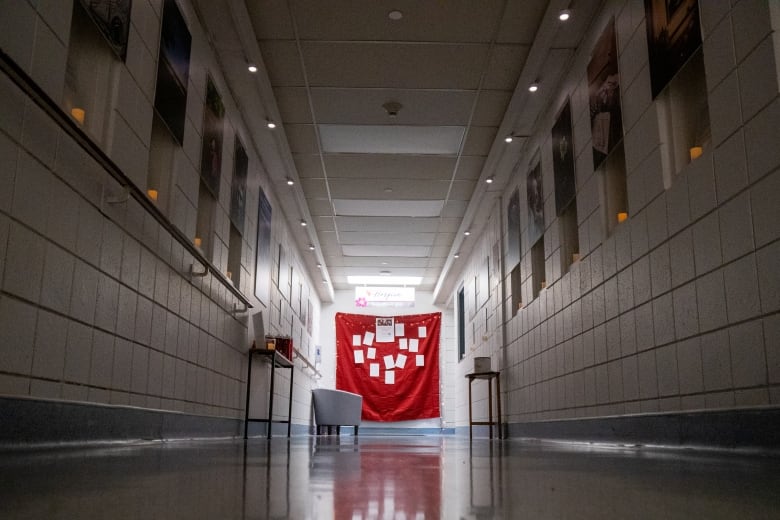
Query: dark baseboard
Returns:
{"type": "Point", "coordinates": [757, 428]}
{"type": "Point", "coordinates": [32, 422]}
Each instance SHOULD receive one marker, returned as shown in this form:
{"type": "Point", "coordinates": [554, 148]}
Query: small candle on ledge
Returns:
{"type": "Point", "coordinates": [622, 216]}
{"type": "Point", "coordinates": [78, 114]}
{"type": "Point", "coordinates": [197, 241]}
{"type": "Point", "coordinates": [152, 194]}
{"type": "Point", "coordinates": [229, 275]}
{"type": "Point", "coordinates": [575, 257]}
{"type": "Point", "coordinates": [544, 284]}
{"type": "Point", "coordinates": [696, 152]}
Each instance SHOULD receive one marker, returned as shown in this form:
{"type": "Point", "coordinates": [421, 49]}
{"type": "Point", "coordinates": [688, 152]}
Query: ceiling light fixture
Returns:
{"type": "Point", "coordinates": [456, 255]}
{"type": "Point", "coordinates": [509, 138]}
{"type": "Point", "coordinates": [384, 273]}
{"type": "Point", "coordinates": [252, 67]}
{"type": "Point", "coordinates": [490, 180]}
{"type": "Point", "coordinates": [319, 265]}
{"type": "Point", "coordinates": [564, 15]}
{"type": "Point", "coordinates": [383, 280]}
{"type": "Point", "coordinates": [533, 87]}
{"type": "Point", "coordinates": [303, 223]}
{"type": "Point", "coordinates": [395, 15]}
{"type": "Point", "coordinates": [311, 247]}
{"type": "Point", "coordinates": [290, 182]}
{"type": "Point", "coordinates": [271, 125]}
{"type": "Point", "coordinates": [467, 233]}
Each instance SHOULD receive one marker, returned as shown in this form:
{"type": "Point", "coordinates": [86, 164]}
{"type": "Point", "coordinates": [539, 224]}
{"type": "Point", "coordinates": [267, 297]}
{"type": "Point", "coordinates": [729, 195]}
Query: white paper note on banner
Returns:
{"type": "Point", "coordinates": [356, 340]}
{"type": "Point", "coordinates": [400, 361]}
{"type": "Point", "coordinates": [414, 345]}
{"type": "Point", "coordinates": [359, 356]}
{"type": "Point", "coordinates": [399, 329]}
{"type": "Point", "coordinates": [373, 369]}
{"type": "Point", "coordinates": [368, 339]}
{"type": "Point", "coordinates": [389, 377]}
{"type": "Point", "coordinates": [389, 363]}
{"type": "Point", "coordinates": [422, 332]}
{"type": "Point", "coordinates": [403, 344]}
{"type": "Point", "coordinates": [372, 353]}
{"type": "Point", "coordinates": [420, 360]}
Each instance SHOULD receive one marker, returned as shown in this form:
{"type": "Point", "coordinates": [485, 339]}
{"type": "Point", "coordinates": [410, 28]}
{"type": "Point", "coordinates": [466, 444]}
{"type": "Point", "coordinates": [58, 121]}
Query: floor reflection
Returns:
{"type": "Point", "coordinates": [366, 478]}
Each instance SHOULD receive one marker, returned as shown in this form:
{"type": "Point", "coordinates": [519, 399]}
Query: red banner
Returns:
{"type": "Point", "coordinates": [392, 361]}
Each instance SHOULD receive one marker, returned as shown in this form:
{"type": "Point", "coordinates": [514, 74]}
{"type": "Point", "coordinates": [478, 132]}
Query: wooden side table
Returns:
{"type": "Point", "coordinates": [489, 376]}
{"type": "Point", "coordinates": [277, 361]}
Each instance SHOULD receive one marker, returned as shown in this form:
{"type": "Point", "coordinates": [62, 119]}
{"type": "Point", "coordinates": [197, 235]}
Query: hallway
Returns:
{"type": "Point", "coordinates": [385, 477]}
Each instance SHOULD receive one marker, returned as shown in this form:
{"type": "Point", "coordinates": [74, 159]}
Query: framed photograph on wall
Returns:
{"type": "Point", "coordinates": [213, 133]}
{"type": "Point", "coordinates": [173, 68]}
{"type": "Point", "coordinates": [563, 160]}
{"type": "Point", "coordinates": [513, 230]}
{"type": "Point", "coordinates": [673, 35]}
{"type": "Point", "coordinates": [238, 187]}
{"type": "Point", "coordinates": [606, 118]}
{"type": "Point", "coordinates": [263, 260]}
{"type": "Point", "coordinates": [112, 18]}
{"type": "Point", "coordinates": [535, 195]}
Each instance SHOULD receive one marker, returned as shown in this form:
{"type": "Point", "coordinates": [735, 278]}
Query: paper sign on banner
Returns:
{"type": "Point", "coordinates": [356, 340]}
{"type": "Point", "coordinates": [422, 332]}
{"type": "Point", "coordinates": [402, 344]}
{"type": "Point", "coordinates": [389, 377]}
{"type": "Point", "coordinates": [420, 360]}
{"type": "Point", "coordinates": [368, 339]}
{"type": "Point", "coordinates": [399, 329]}
{"type": "Point", "coordinates": [389, 363]}
{"type": "Point", "coordinates": [400, 361]}
{"type": "Point", "coordinates": [384, 330]}
{"type": "Point", "coordinates": [373, 369]}
{"type": "Point", "coordinates": [359, 356]}
{"type": "Point", "coordinates": [414, 345]}
{"type": "Point", "coordinates": [372, 353]}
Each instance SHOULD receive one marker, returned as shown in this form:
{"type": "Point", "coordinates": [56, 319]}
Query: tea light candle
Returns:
{"type": "Point", "coordinates": [575, 257]}
{"type": "Point", "coordinates": [544, 284]}
{"type": "Point", "coordinates": [696, 152]}
{"type": "Point", "coordinates": [229, 275]}
{"type": "Point", "coordinates": [152, 194]}
{"type": "Point", "coordinates": [197, 241]}
{"type": "Point", "coordinates": [622, 216]}
{"type": "Point", "coordinates": [78, 114]}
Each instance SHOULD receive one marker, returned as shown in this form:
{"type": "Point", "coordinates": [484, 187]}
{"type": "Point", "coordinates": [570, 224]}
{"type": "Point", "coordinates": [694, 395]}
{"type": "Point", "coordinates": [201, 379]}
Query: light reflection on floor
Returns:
{"type": "Point", "coordinates": [408, 478]}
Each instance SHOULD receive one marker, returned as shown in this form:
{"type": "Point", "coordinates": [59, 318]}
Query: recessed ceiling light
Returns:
{"type": "Point", "coordinates": [384, 273]}
{"type": "Point", "coordinates": [388, 190]}
{"type": "Point", "coordinates": [303, 223]}
{"type": "Point", "coordinates": [456, 255]}
{"type": "Point", "coordinates": [290, 182]}
{"type": "Point", "coordinates": [533, 87]}
{"type": "Point", "coordinates": [395, 15]}
{"type": "Point", "coordinates": [319, 265]}
{"type": "Point", "coordinates": [252, 68]}
{"type": "Point", "coordinates": [508, 139]}
{"type": "Point", "coordinates": [311, 247]}
{"type": "Point", "coordinates": [384, 263]}
{"type": "Point", "coordinates": [489, 180]}
{"type": "Point", "coordinates": [271, 125]}
{"type": "Point", "coordinates": [564, 15]}
{"type": "Point", "coordinates": [467, 233]}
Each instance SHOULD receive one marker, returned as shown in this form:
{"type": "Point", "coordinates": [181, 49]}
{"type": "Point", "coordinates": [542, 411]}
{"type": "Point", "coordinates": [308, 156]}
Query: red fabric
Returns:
{"type": "Point", "coordinates": [415, 393]}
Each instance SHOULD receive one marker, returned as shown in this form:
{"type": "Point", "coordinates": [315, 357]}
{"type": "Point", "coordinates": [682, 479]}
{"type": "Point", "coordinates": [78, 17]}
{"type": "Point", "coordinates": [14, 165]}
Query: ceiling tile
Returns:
{"type": "Point", "coordinates": [315, 188]}
{"type": "Point", "coordinates": [506, 63]}
{"type": "Point", "coordinates": [389, 189]}
{"type": "Point", "coordinates": [491, 107]}
{"type": "Point", "coordinates": [271, 19]}
{"type": "Point", "coordinates": [470, 167]}
{"type": "Point", "coordinates": [462, 190]}
{"type": "Point", "coordinates": [479, 140]}
{"type": "Point", "coordinates": [324, 223]}
{"type": "Point", "coordinates": [334, 20]}
{"type": "Point", "coordinates": [387, 238]}
{"type": "Point", "coordinates": [301, 138]}
{"type": "Point", "coordinates": [388, 208]}
{"type": "Point", "coordinates": [418, 107]}
{"type": "Point", "coordinates": [283, 62]}
{"type": "Point", "coordinates": [308, 165]}
{"type": "Point", "coordinates": [372, 224]}
{"type": "Point", "coordinates": [454, 209]}
{"type": "Point", "coordinates": [393, 65]}
{"type": "Point", "coordinates": [386, 139]}
{"type": "Point", "coordinates": [390, 251]}
{"type": "Point", "coordinates": [319, 207]}
{"type": "Point", "coordinates": [293, 105]}
{"type": "Point", "coordinates": [521, 21]}
{"type": "Point", "coordinates": [378, 166]}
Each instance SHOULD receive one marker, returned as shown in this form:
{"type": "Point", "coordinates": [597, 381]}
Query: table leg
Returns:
{"type": "Point", "coordinates": [490, 408]}
{"type": "Point", "coordinates": [248, 389]}
{"type": "Point", "coordinates": [289, 408]}
{"type": "Point", "coordinates": [271, 396]}
{"type": "Point", "coordinates": [471, 422]}
{"type": "Point", "coordinates": [498, 405]}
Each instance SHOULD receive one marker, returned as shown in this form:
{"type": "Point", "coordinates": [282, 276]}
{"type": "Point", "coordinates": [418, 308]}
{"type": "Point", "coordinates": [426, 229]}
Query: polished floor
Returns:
{"type": "Point", "coordinates": [411, 477]}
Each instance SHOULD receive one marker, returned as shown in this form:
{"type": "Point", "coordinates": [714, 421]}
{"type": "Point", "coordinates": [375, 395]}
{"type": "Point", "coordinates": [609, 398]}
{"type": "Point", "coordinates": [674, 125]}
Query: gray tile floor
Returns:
{"type": "Point", "coordinates": [410, 477]}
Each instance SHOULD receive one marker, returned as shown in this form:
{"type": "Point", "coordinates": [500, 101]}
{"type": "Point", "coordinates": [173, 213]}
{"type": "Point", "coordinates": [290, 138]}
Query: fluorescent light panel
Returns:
{"type": "Point", "coordinates": [387, 208]}
{"type": "Point", "coordinates": [384, 280]}
{"type": "Point", "coordinates": [391, 139]}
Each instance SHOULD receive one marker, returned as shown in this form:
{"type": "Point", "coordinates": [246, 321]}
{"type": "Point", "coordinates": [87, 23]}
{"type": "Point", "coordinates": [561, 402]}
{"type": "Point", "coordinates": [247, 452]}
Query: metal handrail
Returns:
{"type": "Point", "coordinates": [42, 99]}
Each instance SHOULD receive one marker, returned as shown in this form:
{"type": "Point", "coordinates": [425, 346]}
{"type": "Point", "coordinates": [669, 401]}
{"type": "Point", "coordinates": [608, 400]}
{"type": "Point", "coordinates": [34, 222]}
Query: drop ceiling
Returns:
{"type": "Point", "coordinates": [388, 191]}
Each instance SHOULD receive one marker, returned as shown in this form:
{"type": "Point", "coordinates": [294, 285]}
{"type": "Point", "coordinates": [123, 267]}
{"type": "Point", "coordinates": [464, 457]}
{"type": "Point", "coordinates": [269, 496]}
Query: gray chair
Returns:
{"type": "Point", "coordinates": [336, 408]}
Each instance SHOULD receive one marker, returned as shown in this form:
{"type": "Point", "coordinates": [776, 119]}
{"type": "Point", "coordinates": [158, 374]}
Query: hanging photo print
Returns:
{"type": "Point", "coordinates": [604, 91]}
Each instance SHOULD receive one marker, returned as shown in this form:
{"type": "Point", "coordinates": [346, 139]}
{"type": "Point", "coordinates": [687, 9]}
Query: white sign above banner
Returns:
{"type": "Point", "coordinates": [384, 296]}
